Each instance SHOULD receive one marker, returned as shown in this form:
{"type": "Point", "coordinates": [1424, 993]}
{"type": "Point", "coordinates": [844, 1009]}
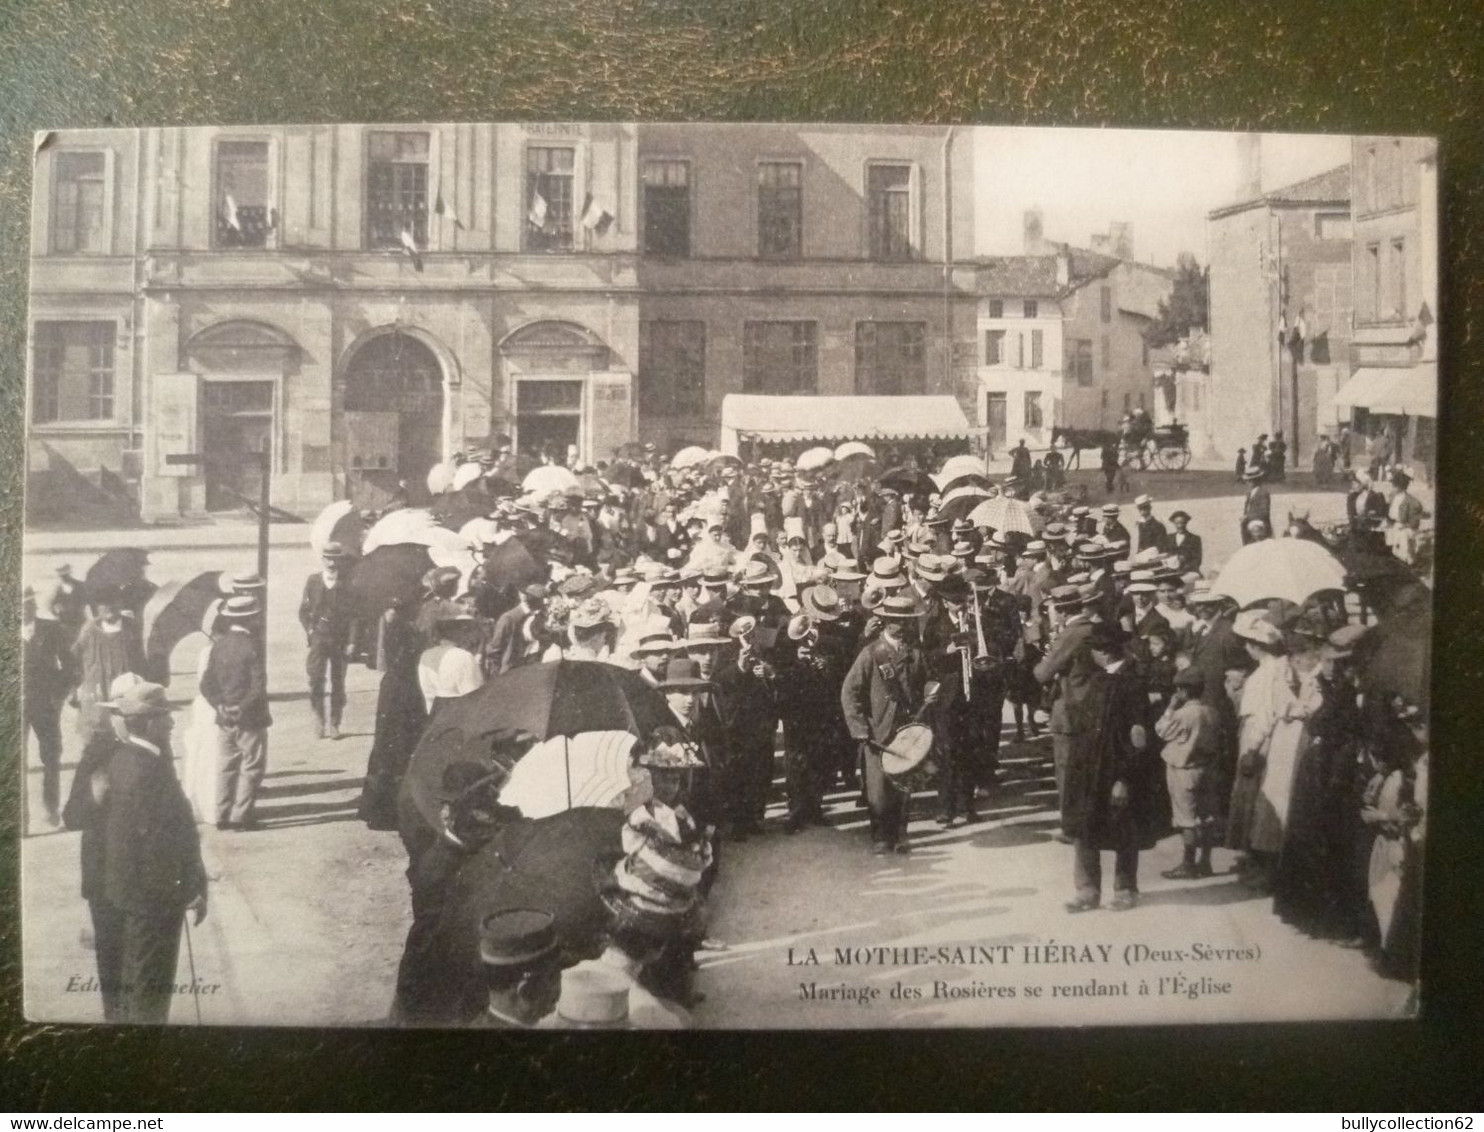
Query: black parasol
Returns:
{"type": "Point", "coordinates": [175, 611]}
{"type": "Point", "coordinates": [119, 575]}
{"type": "Point", "coordinates": [511, 565]}
{"type": "Point", "coordinates": [387, 574]}
{"type": "Point", "coordinates": [909, 481]}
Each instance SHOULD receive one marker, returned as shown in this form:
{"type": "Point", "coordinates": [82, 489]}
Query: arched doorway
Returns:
{"type": "Point", "coordinates": [561, 395]}
{"type": "Point", "coordinates": [393, 419]}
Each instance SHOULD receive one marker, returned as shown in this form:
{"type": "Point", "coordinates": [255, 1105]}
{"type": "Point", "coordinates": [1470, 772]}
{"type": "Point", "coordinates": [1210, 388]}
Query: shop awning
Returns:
{"type": "Point", "coordinates": [1411, 391]}
{"type": "Point", "coordinates": [749, 416]}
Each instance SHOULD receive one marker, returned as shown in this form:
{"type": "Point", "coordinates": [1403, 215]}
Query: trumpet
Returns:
{"type": "Point", "coordinates": [982, 661]}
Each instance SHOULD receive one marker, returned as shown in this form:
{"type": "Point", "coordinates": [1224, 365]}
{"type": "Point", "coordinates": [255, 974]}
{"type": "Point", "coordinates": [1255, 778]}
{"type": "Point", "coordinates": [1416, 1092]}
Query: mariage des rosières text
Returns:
{"type": "Point", "coordinates": [1142, 969]}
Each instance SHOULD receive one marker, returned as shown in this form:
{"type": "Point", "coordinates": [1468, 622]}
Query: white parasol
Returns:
{"type": "Point", "coordinates": [690, 457]}
{"type": "Point", "coordinates": [956, 466]}
{"type": "Point", "coordinates": [1292, 569]}
{"type": "Point", "coordinates": [590, 769]}
{"type": "Point", "coordinates": [440, 477]}
{"type": "Point", "coordinates": [1003, 514]}
{"type": "Point", "coordinates": [465, 475]}
{"type": "Point", "coordinates": [548, 478]}
{"type": "Point", "coordinates": [814, 459]}
{"type": "Point", "coordinates": [854, 448]}
{"type": "Point", "coordinates": [323, 530]}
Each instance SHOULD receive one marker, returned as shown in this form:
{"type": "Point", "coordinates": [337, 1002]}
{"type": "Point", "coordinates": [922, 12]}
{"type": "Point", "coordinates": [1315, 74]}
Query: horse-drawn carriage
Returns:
{"type": "Point", "coordinates": [1143, 444]}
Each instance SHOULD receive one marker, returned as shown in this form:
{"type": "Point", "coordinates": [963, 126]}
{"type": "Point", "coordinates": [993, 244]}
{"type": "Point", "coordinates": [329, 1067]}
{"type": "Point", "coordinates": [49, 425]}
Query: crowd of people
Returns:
{"type": "Point", "coordinates": [843, 613]}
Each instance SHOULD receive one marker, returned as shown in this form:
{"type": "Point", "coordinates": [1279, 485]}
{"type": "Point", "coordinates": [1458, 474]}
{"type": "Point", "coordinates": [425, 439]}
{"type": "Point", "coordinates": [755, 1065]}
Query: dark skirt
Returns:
{"type": "Point", "coordinates": [400, 718]}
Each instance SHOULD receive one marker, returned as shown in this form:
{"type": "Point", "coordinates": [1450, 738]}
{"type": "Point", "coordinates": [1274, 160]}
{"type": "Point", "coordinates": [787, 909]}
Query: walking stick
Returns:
{"type": "Point", "coordinates": [191, 960]}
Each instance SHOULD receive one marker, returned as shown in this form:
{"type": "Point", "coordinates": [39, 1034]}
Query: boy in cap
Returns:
{"type": "Point", "coordinates": [522, 967]}
{"type": "Point", "coordinates": [141, 860]}
{"type": "Point", "coordinates": [1190, 729]}
{"type": "Point", "coordinates": [1182, 544]}
{"type": "Point", "coordinates": [1150, 531]}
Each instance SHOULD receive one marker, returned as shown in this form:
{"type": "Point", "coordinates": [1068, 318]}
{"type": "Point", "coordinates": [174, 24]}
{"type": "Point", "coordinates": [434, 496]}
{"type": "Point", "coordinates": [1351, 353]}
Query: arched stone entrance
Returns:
{"type": "Point", "coordinates": [561, 394]}
{"type": "Point", "coordinates": [394, 418]}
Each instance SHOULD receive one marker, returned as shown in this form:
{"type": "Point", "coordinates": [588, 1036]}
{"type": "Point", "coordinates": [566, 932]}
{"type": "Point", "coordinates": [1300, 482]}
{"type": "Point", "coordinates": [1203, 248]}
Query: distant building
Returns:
{"type": "Point", "coordinates": [364, 300]}
{"type": "Point", "coordinates": [1393, 390]}
{"type": "Point", "coordinates": [1061, 338]}
{"type": "Point", "coordinates": [1182, 389]}
{"type": "Point", "coordinates": [1280, 311]}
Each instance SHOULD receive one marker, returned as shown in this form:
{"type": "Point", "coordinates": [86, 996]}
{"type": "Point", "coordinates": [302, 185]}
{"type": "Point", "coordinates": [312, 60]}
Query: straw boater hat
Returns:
{"type": "Point", "coordinates": [892, 541]}
{"type": "Point", "coordinates": [140, 701]}
{"type": "Point", "coordinates": [798, 626]}
{"type": "Point", "coordinates": [846, 571]}
{"type": "Point", "coordinates": [917, 548]}
{"type": "Point", "coordinates": [1036, 548]}
{"type": "Point", "coordinates": [716, 579]}
{"type": "Point", "coordinates": [822, 603]}
{"type": "Point", "coordinates": [248, 580]}
{"type": "Point", "coordinates": [898, 607]}
{"type": "Point", "coordinates": [624, 576]}
{"type": "Point", "coordinates": [1066, 597]}
{"type": "Point", "coordinates": [1081, 511]}
{"type": "Point", "coordinates": [1110, 509]}
{"type": "Point", "coordinates": [932, 568]}
{"type": "Point", "coordinates": [241, 606]}
{"type": "Point", "coordinates": [704, 633]}
{"type": "Point", "coordinates": [1124, 567]}
{"type": "Point", "coordinates": [962, 527]}
{"type": "Point", "coordinates": [1092, 551]}
{"type": "Point", "coordinates": [756, 574]}
{"type": "Point", "coordinates": [653, 644]}
{"type": "Point", "coordinates": [886, 574]}
{"type": "Point", "coordinates": [1053, 531]}
{"type": "Point", "coordinates": [333, 550]}
{"type": "Point", "coordinates": [963, 549]}
{"type": "Point", "coordinates": [1202, 594]}
{"type": "Point", "coordinates": [1144, 501]}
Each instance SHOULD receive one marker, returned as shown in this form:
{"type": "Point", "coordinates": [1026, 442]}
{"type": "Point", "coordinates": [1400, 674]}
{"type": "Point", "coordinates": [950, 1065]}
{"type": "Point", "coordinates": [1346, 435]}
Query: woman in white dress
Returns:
{"type": "Point", "coordinates": [200, 763]}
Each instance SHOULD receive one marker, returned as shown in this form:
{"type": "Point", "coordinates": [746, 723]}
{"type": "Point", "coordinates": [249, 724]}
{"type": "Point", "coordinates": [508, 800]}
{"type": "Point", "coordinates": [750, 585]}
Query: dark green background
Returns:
{"type": "Point", "coordinates": [1228, 64]}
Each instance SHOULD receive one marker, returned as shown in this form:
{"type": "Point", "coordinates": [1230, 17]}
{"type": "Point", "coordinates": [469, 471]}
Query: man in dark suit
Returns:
{"type": "Point", "coordinates": [743, 686]}
{"type": "Point", "coordinates": [884, 690]}
{"type": "Point", "coordinates": [1111, 529]}
{"type": "Point", "coordinates": [141, 860]}
{"type": "Point", "coordinates": [1257, 505]}
{"type": "Point", "coordinates": [325, 613]}
{"type": "Point", "coordinates": [233, 685]}
{"type": "Point", "coordinates": [1068, 669]}
{"type": "Point", "coordinates": [508, 647]}
{"type": "Point", "coordinates": [1150, 530]}
{"type": "Point", "coordinates": [46, 680]}
{"type": "Point", "coordinates": [1184, 545]}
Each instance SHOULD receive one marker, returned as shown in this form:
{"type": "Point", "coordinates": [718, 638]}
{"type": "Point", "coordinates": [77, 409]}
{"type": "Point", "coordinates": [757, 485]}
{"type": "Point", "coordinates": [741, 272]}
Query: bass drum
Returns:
{"type": "Point", "coordinates": [906, 761]}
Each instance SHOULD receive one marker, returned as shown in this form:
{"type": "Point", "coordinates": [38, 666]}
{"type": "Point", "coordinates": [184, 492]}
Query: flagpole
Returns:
{"type": "Point", "coordinates": [567, 759]}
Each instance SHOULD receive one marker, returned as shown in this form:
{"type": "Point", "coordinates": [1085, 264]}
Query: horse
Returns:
{"type": "Point", "coordinates": [1079, 438]}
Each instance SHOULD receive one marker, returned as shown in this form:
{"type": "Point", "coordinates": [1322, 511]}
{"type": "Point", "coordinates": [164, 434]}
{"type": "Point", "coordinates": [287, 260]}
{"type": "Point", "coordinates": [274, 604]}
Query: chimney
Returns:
{"type": "Point", "coordinates": [1032, 231]}
{"type": "Point", "coordinates": [1121, 235]}
{"type": "Point", "coordinates": [1063, 268]}
{"type": "Point", "coordinates": [1249, 166]}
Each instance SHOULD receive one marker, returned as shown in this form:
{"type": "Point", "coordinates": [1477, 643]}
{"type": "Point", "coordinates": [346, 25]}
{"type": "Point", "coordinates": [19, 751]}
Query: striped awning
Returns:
{"type": "Point", "coordinates": [1410, 391]}
{"type": "Point", "coordinates": [773, 419]}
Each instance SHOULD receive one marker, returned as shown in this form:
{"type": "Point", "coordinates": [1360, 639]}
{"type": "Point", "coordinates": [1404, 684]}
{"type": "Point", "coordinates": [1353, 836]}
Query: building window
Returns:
{"type": "Point", "coordinates": [779, 357]}
{"type": "Point", "coordinates": [1144, 350]}
{"type": "Point", "coordinates": [1038, 349]}
{"type": "Point", "coordinates": [780, 209]}
{"type": "Point", "coordinates": [1106, 299]}
{"type": "Point", "coordinates": [1031, 308]}
{"type": "Point", "coordinates": [1033, 417]}
{"type": "Point", "coordinates": [994, 347]}
{"type": "Point", "coordinates": [1369, 200]}
{"type": "Point", "coordinates": [72, 372]}
{"type": "Point", "coordinates": [890, 357]}
{"type": "Point", "coordinates": [80, 203]}
{"type": "Point", "coordinates": [996, 308]}
{"type": "Point", "coordinates": [667, 208]}
{"type": "Point", "coordinates": [244, 213]}
{"type": "Point", "coordinates": [1398, 278]}
{"type": "Point", "coordinates": [1082, 360]}
{"type": "Point", "coordinates": [1370, 283]}
{"type": "Point", "coordinates": [1107, 352]}
{"type": "Point", "coordinates": [396, 188]}
{"type": "Point", "coordinates": [889, 192]}
{"type": "Point", "coordinates": [1331, 225]}
{"type": "Point", "coordinates": [672, 368]}
{"type": "Point", "coordinates": [1020, 351]}
{"type": "Point", "coordinates": [548, 226]}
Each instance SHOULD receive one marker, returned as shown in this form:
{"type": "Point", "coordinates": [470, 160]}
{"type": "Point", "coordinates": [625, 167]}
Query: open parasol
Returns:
{"type": "Point", "coordinates": [175, 611]}
{"type": "Point", "coordinates": [716, 461]}
{"type": "Point", "coordinates": [1290, 569]}
{"type": "Point", "coordinates": [339, 522]}
{"type": "Point", "coordinates": [957, 466]}
{"type": "Point", "coordinates": [548, 478]}
{"type": "Point", "coordinates": [456, 508]}
{"type": "Point", "coordinates": [387, 574]}
{"type": "Point", "coordinates": [440, 477]}
{"type": "Point", "coordinates": [591, 769]}
{"type": "Point", "coordinates": [1003, 514]}
{"type": "Point", "coordinates": [962, 502]}
{"type": "Point", "coordinates": [854, 449]}
{"type": "Point", "coordinates": [557, 698]}
{"type": "Point", "coordinates": [814, 458]}
{"type": "Point", "coordinates": [909, 481]}
{"type": "Point", "coordinates": [690, 457]}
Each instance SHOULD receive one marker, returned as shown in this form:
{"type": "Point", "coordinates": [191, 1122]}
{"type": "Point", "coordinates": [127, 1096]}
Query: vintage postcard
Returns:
{"type": "Point", "coordinates": [623, 575]}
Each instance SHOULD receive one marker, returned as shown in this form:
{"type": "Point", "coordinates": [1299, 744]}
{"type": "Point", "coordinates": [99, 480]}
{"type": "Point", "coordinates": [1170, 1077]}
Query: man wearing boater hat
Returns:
{"type": "Point", "coordinates": [883, 691]}
{"type": "Point", "coordinates": [325, 613]}
{"type": "Point", "coordinates": [141, 860]}
{"type": "Point", "coordinates": [1257, 505]}
{"type": "Point", "coordinates": [1068, 671]}
{"type": "Point", "coordinates": [233, 685]}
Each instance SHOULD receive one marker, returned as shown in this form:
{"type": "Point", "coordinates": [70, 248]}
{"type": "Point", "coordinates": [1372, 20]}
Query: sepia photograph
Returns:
{"type": "Point", "coordinates": [637, 575]}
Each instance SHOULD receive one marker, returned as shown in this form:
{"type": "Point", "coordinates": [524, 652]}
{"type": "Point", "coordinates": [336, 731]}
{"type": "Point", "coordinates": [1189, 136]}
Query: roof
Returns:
{"type": "Point", "coordinates": [1399, 391]}
{"type": "Point", "coordinates": [1018, 276]}
{"type": "Point", "coordinates": [1330, 187]}
{"type": "Point", "coordinates": [843, 418]}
